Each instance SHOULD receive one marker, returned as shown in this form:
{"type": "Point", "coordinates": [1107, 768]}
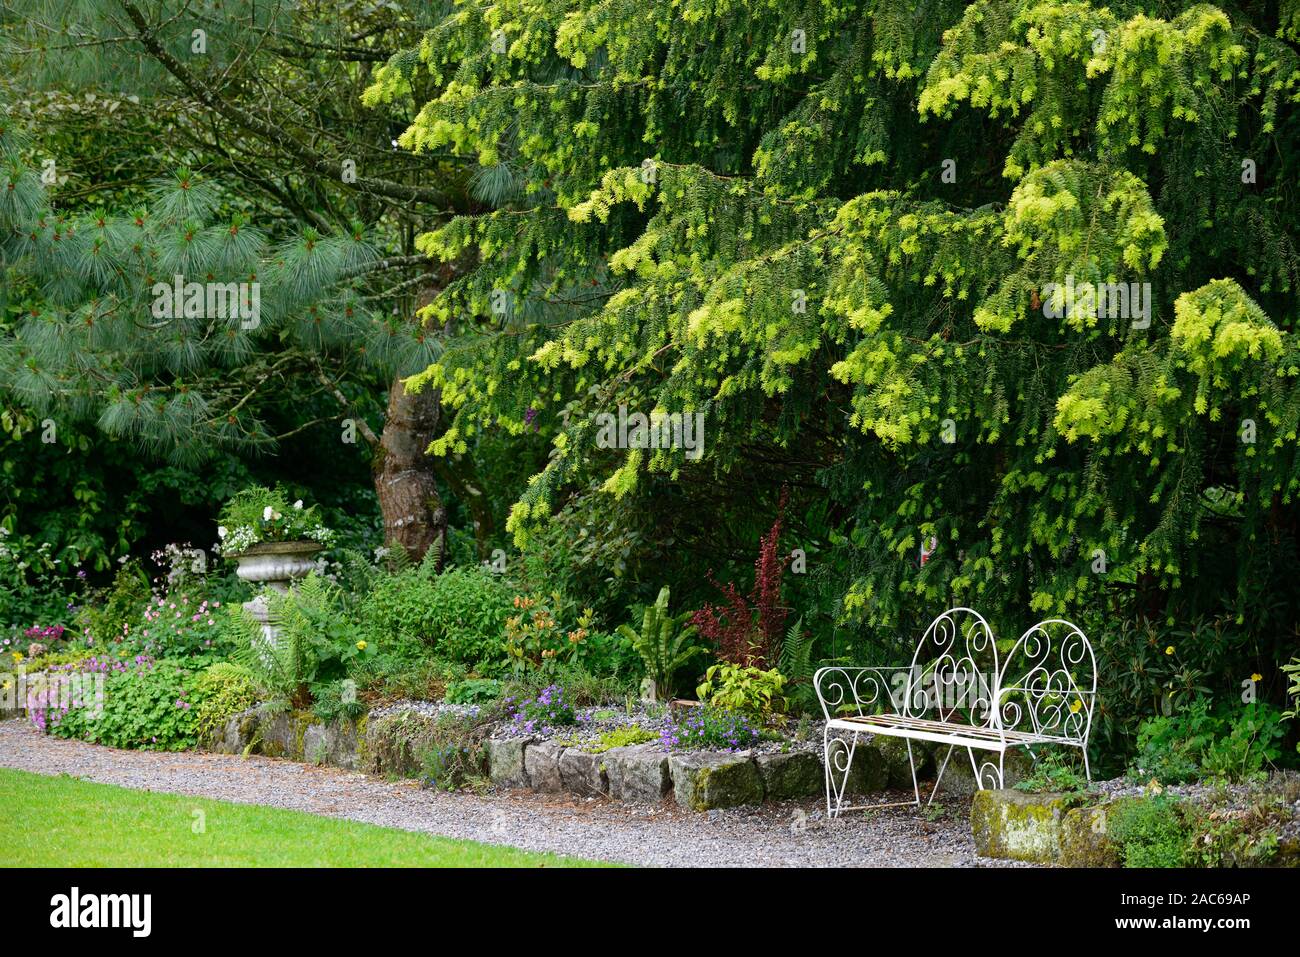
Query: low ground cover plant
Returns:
{"type": "Point", "coordinates": [146, 704]}
{"type": "Point", "coordinates": [1233, 743]}
{"type": "Point", "coordinates": [1054, 772]}
{"type": "Point", "coordinates": [1160, 830]}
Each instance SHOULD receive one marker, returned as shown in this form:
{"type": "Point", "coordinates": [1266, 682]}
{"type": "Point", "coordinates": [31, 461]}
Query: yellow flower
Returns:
{"type": "Point", "coordinates": [18, 656]}
{"type": "Point", "coordinates": [1256, 676]}
{"type": "Point", "coordinates": [361, 646]}
{"type": "Point", "coordinates": [1074, 708]}
{"type": "Point", "coordinates": [1169, 650]}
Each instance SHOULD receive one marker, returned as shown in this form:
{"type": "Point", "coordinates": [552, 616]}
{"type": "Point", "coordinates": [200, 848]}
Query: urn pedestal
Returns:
{"type": "Point", "coordinates": [277, 565]}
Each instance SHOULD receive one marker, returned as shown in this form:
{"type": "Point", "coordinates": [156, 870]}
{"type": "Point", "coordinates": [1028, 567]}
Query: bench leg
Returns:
{"type": "Point", "coordinates": [833, 768]}
{"type": "Point", "coordinates": [979, 769]}
{"type": "Point", "coordinates": [911, 761]}
{"type": "Point", "coordinates": [937, 778]}
{"type": "Point", "coordinates": [835, 795]}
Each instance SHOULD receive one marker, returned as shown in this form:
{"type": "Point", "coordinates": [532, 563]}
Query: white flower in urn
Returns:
{"type": "Point", "coordinates": [221, 531]}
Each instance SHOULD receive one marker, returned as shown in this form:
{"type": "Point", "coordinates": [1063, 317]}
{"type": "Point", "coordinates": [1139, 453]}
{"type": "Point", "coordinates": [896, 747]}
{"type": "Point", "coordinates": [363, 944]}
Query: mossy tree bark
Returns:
{"type": "Point", "coordinates": [414, 516]}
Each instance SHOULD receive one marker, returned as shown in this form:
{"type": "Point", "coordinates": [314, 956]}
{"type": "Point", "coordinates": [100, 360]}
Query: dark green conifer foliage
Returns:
{"type": "Point", "coordinates": [838, 225]}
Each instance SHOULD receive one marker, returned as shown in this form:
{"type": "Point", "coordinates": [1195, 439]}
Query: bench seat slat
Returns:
{"type": "Point", "coordinates": [948, 732]}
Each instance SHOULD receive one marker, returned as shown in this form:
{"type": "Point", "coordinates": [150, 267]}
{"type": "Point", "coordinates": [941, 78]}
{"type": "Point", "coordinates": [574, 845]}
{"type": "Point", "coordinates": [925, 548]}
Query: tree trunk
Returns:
{"type": "Point", "coordinates": [414, 516]}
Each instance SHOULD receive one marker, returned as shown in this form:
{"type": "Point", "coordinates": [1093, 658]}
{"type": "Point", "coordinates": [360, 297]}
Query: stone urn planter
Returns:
{"type": "Point", "coordinates": [276, 564]}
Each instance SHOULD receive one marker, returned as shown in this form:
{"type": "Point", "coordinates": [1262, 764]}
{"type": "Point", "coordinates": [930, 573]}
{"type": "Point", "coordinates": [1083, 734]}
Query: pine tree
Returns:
{"type": "Point", "coordinates": [289, 181]}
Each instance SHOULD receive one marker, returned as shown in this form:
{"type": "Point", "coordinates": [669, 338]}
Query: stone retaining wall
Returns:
{"type": "Point", "coordinates": [396, 744]}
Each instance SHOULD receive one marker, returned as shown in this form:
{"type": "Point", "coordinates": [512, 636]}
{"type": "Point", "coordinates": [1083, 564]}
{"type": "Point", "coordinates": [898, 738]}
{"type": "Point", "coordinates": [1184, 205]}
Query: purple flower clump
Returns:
{"type": "Point", "coordinates": [542, 713]}
{"type": "Point", "coordinates": [710, 729]}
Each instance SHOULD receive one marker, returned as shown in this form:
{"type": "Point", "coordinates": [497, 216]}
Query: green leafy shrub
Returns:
{"type": "Point", "coordinates": [663, 643]}
{"type": "Point", "coordinates": [1150, 832]}
{"type": "Point", "coordinates": [460, 615]}
{"type": "Point", "coordinates": [33, 586]}
{"type": "Point", "coordinates": [610, 654]}
{"type": "Point", "coordinates": [110, 615]}
{"type": "Point", "coordinates": [222, 690]}
{"type": "Point", "coordinates": [1253, 741]}
{"type": "Point", "coordinates": [746, 689]}
{"type": "Point", "coordinates": [1234, 744]}
{"type": "Point", "coordinates": [474, 691]}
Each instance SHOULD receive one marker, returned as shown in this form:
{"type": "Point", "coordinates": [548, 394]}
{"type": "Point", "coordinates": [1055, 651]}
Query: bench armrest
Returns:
{"type": "Point", "coordinates": [841, 689]}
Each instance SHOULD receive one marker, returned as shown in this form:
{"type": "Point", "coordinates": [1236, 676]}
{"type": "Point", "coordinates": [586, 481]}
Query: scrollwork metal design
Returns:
{"type": "Point", "coordinates": [1049, 683]}
{"type": "Point", "coordinates": [954, 670]}
{"type": "Point", "coordinates": [856, 691]}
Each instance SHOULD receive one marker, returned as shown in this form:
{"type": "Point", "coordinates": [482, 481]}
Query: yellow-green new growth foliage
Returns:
{"type": "Point", "coordinates": [847, 233]}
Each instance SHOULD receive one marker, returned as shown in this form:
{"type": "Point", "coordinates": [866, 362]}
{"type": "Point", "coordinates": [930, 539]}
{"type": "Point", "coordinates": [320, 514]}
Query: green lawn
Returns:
{"type": "Point", "coordinates": [66, 822]}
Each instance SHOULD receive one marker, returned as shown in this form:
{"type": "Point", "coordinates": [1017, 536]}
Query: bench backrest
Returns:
{"type": "Point", "coordinates": [1048, 683]}
{"type": "Point", "coordinates": [954, 671]}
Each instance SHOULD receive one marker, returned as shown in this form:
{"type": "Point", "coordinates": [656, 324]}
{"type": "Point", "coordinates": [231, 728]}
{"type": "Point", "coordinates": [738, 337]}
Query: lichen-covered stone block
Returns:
{"type": "Point", "coordinates": [397, 743]}
{"type": "Point", "coordinates": [637, 772]}
{"type": "Point", "coordinates": [1084, 839]}
{"type": "Point", "coordinates": [542, 765]}
{"type": "Point", "coordinates": [702, 781]}
{"type": "Point", "coordinates": [959, 778]}
{"type": "Point", "coordinates": [506, 762]}
{"type": "Point", "coordinates": [582, 773]}
{"type": "Point", "coordinates": [868, 772]}
{"type": "Point", "coordinates": [898, 769]}
{"type": "Point", "coordinates": [1018, 826]}
{"type": "Point", "coordinates": [789, 775]}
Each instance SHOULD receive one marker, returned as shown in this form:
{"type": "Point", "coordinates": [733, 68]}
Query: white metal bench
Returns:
{"type": "Point", "coordinates": [954, 693]}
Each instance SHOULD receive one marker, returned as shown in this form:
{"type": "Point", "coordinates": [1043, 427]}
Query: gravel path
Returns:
{"type": "Point", "coordinates": [787, 835]}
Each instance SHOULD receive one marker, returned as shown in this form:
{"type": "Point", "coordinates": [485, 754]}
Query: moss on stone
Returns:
{"type": "Point", "coordinates": [1084, 839]}
{"type": "Point", "coordinates": [1017, 826]}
